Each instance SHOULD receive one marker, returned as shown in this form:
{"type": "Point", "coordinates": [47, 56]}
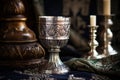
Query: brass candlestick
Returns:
{"type": "Point", "coordinates": [108, 50]}
{"type": "Point", "coordinates": [93, 42]}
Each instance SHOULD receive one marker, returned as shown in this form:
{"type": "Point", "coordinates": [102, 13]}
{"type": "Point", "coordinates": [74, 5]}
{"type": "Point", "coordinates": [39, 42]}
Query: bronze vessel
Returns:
{"type": "Point", "coordinates": [18, 43]}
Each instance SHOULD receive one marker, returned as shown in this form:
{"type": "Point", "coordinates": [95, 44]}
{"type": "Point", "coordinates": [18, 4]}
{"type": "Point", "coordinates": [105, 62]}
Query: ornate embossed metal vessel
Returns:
{"type": "Point", "coordinates": [18, 44]}
{"type": "Point", "coordinates": [53, 34]}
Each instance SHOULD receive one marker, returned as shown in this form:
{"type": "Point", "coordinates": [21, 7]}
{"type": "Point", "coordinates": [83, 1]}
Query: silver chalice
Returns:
{"type": "Point", "coordinates": [54, 34]}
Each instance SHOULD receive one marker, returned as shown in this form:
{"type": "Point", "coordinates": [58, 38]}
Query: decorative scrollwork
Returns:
{"type": "Point", "coordinates": [53, 30]}
{"type": "Point", "coordinates": [21, 51]}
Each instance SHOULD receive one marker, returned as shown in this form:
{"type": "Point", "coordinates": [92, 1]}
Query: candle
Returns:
{"type": "Point", "coordinates": [106, 7]}
{"type": "Point", "coordinates": [93, 20]}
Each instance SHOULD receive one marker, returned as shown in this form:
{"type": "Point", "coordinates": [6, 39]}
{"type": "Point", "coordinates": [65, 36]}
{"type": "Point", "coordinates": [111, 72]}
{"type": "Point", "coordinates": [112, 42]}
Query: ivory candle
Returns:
{"type": "Point", "coordinates": [93, 20]}
{"type": "Point", "coordinates": [106, 7]}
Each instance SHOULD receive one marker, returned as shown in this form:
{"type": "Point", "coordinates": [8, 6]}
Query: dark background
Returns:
{"type": "Point", "coordinates": [54, 7]}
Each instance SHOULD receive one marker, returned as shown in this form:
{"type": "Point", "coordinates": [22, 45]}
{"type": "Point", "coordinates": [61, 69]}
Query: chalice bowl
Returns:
{"type": "Point", "coordinates": [54, 34]}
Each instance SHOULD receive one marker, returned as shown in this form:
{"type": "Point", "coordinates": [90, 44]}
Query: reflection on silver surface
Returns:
{"type": "Point", "coordinates": [53, 34]}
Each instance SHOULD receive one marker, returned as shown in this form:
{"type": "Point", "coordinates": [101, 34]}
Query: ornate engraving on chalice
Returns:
{"type": "Point", "coordinates": [53, 34]}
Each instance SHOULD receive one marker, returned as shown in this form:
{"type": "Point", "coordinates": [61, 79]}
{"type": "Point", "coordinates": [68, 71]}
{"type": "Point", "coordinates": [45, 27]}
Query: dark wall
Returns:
{"type": "Point", "coordinates": [55, 7]}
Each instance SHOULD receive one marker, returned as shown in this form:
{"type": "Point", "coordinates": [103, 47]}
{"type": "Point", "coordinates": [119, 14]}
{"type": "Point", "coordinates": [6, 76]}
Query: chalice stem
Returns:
{"type": "Point", "coordinates": [57, 65]}
{"type": "Point", "coordinates": [54, 57]}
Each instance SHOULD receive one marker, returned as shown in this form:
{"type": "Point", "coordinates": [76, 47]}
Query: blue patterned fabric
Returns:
{"type": "Point", "coordinates": [17, 75]}
{"type": "Point", "coordinates": [14, 75]}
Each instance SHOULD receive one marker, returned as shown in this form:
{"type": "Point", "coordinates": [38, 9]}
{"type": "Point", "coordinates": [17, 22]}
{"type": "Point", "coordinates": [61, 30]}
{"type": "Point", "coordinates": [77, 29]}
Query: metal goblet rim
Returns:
{"type": "Point", "coordinates": [53, 16]}
{"type": "Point", "coordinates": [56, 17]}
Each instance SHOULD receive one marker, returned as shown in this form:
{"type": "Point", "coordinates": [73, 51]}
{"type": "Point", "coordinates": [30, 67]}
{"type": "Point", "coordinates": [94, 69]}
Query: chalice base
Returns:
{"type": "Point", "coordinates": [56, 65]}
{"type": "Point", "coordinates": [57, 68]}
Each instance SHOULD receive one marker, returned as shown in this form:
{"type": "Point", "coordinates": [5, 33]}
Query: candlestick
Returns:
{"type": "Point", "coordinates": [93, 42]}
{"type": "Point", "coordinates": [104, 36]}
{"type": "Point", "coordinates": [106, 7]}
{"type": "Point", "coordinates": [92, 20]}
{"type": "Point", "coordinates": [107, 37]}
